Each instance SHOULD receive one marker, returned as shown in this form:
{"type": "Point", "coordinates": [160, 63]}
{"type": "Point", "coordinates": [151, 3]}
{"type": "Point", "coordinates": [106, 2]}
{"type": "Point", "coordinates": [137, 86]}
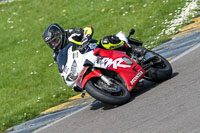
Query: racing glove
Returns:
{"type": "Point", "coordinates": [88, 33]}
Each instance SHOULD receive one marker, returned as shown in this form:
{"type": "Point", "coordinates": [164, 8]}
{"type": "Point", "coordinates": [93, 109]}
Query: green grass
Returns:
{"type": "Point", "coordinates": [28, 85]}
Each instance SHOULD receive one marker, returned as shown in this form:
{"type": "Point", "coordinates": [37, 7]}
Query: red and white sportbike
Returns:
{"type": "Point", "coordinates": [110, 75]}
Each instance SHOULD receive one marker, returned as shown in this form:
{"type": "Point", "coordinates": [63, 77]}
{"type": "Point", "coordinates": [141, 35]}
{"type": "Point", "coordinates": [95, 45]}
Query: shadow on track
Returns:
{"type": "Point", "coordinates": [147, 85]}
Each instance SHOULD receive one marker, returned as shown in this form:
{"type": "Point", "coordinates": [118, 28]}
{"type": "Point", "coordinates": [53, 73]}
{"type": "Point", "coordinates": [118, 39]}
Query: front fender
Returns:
{"type": "Point", "coordinates": [95, 73]}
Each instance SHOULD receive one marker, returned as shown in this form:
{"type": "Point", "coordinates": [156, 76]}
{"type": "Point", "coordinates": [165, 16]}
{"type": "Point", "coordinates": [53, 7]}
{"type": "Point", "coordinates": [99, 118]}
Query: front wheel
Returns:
{"type": "Point", "coordinates": [115, 94]}
{"type": "Point", "coordinates": [160, 71]}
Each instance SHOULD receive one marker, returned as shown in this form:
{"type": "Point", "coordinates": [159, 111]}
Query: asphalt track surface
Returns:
{"type": "Point", "coordinates": [172, 106]}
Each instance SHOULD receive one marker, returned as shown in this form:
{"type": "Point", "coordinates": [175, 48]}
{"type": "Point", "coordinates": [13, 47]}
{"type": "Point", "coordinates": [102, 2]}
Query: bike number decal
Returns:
{"type": "Point", "coordinates": [107, 62]}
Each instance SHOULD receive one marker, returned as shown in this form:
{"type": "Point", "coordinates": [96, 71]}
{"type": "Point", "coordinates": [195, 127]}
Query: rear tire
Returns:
{"type": "Point", "coordinates": [100, 94]}
{"type": "Point", "coordinates": [159, 72]}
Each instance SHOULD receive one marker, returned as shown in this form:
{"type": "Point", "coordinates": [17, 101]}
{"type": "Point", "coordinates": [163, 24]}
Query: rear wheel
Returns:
{"type": "Point", "coordinates": [115, 94]}
{"type": "Point", "coordinates": [160, 71]}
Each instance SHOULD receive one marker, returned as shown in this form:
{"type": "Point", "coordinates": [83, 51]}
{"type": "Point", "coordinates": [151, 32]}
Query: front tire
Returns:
{"type": "Point", "coordinates": [102, 93]}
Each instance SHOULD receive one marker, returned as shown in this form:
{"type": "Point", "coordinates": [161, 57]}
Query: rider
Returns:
{"type": "Point", "coordinates": [59, 40]}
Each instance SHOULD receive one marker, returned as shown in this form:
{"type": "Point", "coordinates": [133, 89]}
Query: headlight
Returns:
{"type": "Point", "coordinates": [73, 73]}
{"type": "Point", "coordinates": [74, 67]}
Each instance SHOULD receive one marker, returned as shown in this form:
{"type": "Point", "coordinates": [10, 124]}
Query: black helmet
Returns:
{"type": "Point", "coordinates": [55, 37]}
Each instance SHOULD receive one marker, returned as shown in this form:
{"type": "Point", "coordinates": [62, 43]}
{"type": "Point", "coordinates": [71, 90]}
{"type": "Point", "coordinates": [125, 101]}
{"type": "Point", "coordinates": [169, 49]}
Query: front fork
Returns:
{"type": "Point", "coordinates": [106, 80]}
{"type": "Point", "coordinates": [93, 73]}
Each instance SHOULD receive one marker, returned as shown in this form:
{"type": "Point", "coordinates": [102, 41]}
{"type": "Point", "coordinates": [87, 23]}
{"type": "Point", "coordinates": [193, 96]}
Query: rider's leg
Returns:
{"type": "Point", "coordinates": [136, 50]}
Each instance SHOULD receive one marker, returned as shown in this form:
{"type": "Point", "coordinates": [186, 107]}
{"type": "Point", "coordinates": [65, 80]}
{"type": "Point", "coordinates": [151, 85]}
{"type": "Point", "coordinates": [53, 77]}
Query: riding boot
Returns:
{"type": "Point", "coordinates": [135, 50]}
{"type": "Point", "coordinates": [138, 50]}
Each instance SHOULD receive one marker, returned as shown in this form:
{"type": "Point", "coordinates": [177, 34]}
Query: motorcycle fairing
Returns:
{"type": "Point", "coordinates": [113, 60]}
{"type": "Point", "coordinates": [95, 73]}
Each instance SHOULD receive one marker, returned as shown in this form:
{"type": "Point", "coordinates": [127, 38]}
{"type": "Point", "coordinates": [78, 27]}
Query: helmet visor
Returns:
{"type": "Point", "coordinates": [54, 43]}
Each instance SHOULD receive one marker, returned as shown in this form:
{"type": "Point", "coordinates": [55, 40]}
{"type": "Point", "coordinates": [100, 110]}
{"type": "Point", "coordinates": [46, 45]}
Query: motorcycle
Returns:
{"type": "Point", "coordinates": [110, 75]}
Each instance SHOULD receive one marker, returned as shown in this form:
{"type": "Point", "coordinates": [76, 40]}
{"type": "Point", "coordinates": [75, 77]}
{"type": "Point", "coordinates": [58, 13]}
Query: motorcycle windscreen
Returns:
{"type": "Point", "coordinates": [62, 57]}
